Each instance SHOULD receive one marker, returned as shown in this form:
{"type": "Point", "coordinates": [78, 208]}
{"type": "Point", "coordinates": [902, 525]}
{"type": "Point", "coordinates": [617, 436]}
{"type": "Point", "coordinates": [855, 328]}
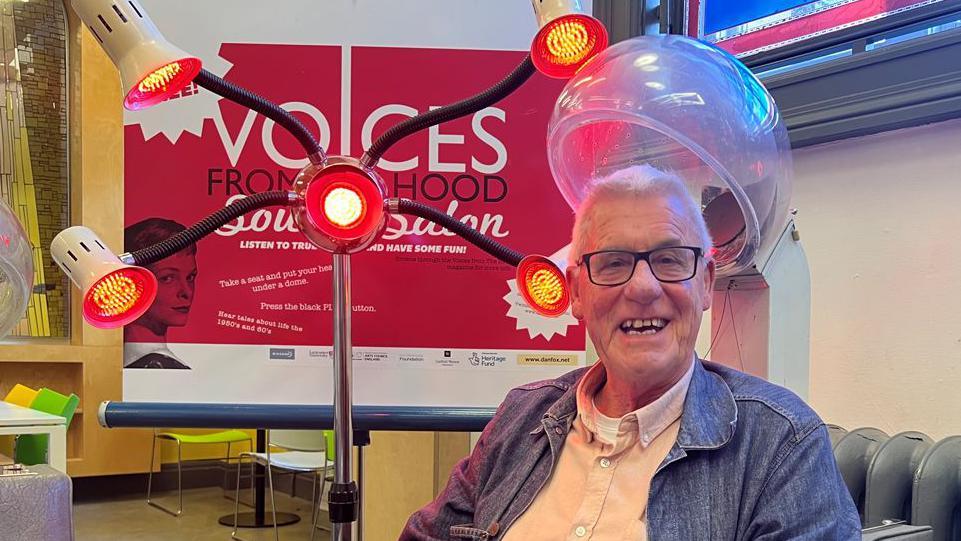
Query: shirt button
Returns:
{"type": "Point", "coordinates": [580, 531]}
{"type": "Point", "coordinates": [558, 430]}
{"type": "Point", "coordinates": [605, 463]}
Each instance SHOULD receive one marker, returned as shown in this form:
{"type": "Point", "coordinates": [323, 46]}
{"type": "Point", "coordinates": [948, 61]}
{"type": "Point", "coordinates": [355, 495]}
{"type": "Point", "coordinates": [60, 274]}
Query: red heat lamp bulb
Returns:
{"type": "Point", "coordinates": [162, 83]}
{"type": "Point", "coordinates": [344, 204]}
{"type": "Point", "coordinates": [543, 286]}
{"type": "Point", "coordinates": [564, 44]}
{"type": "Point", "coordinates": [119, 297]}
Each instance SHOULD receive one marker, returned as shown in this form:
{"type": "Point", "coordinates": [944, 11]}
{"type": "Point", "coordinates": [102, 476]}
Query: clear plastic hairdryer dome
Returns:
{"type": "Point", "coordinates": [16, 270]}
{"type": "Point", "coordinates": [684, 106]}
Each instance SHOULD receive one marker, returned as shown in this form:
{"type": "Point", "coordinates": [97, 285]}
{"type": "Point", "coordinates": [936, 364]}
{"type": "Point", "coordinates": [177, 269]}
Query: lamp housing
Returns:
{"type": "Point", "coordinates": [114, 293]}
{"type": "Point", "coordinates": [151, 68]}
{"type": "Point", "coordinates": [341, 206]}
{"type": "Point", "coordinates": [567, 39]}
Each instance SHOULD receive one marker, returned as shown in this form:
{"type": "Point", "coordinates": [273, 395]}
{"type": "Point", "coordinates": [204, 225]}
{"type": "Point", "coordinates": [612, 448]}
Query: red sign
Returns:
{"type": "Point", "coordinates": [258, 281]}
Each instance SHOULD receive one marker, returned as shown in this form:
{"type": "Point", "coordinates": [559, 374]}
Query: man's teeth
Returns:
{"type": "Point", "coordinates": [643, 326]}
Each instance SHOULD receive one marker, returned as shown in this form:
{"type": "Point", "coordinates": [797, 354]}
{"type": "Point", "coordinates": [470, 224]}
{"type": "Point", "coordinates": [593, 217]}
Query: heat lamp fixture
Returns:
{"type": "Point", "coordinates": [567, 39]}
{"type": "Point", "coordinates": [340, 203]}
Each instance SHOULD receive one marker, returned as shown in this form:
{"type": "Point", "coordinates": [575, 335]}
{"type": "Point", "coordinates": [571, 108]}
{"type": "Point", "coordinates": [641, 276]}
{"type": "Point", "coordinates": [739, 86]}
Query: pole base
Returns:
{"type": "Point", "coordinates": [249, 520]}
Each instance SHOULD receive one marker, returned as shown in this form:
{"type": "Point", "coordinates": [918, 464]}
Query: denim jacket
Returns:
{"type": "Point", "coordinates": [751, 461]}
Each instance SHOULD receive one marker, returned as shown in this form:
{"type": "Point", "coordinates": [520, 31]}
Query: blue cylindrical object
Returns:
{"type": "Point", "coordinates": [290, 416]}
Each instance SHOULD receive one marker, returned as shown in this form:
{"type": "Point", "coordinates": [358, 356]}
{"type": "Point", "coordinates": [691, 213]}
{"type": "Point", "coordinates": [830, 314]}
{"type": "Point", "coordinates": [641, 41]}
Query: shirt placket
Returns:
{"type": "Point", "coordinates": [598, 484]}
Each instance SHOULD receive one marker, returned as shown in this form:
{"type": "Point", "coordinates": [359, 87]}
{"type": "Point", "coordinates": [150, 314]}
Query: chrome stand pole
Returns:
{"type": "Point", "coordinates": [343, 496]}
{"type": "Point", "coordinates": [364, 440]}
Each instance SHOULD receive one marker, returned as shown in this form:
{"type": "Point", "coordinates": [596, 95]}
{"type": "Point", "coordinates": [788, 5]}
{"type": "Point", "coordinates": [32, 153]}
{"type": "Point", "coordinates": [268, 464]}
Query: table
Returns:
{"type": "Point", "coordinates": [19, 420]}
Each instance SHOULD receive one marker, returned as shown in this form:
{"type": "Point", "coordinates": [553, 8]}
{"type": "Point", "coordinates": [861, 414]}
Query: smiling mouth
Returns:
{"type": "Point", "coordinates": [182, 309]}
{"type": "Point", "coordinates": [643, 326]}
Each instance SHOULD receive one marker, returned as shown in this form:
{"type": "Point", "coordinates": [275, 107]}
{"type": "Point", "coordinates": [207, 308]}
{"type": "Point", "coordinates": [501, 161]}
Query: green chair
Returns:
{"type": "Point", "coordinates": [328, 475]}
{"type": "Point", "coordinates": [32, 448]}
{"type": "Point", "coordinates": [227, 437]}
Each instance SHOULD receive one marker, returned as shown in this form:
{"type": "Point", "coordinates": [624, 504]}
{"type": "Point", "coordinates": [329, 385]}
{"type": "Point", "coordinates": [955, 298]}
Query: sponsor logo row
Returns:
{"type": "Point", "coordinates": [448, 358]}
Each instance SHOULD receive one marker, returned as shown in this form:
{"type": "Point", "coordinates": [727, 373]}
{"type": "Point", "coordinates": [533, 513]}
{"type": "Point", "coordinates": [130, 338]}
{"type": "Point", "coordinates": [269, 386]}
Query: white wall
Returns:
{"type": "Point", "coordinates": [879, 219]}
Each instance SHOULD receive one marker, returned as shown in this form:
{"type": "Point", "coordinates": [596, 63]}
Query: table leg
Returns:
{"type": "Point", "coordinates": [57, 448]}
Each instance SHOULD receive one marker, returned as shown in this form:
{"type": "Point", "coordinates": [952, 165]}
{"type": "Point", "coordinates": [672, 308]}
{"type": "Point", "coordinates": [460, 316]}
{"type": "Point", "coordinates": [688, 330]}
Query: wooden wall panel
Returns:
{"type": "Point", "coordinates": [89, 363]}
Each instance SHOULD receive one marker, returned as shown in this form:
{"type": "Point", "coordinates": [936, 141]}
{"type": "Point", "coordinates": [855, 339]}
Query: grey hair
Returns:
{"type": "Point", "coordinates": [636, 181]}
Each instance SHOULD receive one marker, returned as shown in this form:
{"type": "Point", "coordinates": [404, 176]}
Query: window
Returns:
{"type": "Point", "coordinates": [34, 164]}
{"type": "Point", "coordinates": [837, 68]}
{"type": "Point", "coordinates": [879, 40]}
{"type": "Point", "coordinates": [750, 28]}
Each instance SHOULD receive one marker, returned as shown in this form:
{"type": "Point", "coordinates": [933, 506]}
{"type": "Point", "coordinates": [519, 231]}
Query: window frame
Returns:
{"type": "Point", "coordinates": [902, 85]}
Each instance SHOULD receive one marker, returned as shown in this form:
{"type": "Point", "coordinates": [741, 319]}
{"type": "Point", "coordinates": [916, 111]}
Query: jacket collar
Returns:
{"type": "Point", "coordinates": [707, 421]}
{"type": "Point", "coordinates": [710, 413]}
{"type": "Point", "coordinates": [565, 408]}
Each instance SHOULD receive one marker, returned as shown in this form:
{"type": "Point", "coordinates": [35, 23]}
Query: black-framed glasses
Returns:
{"type": "Point", "coordinates": [615, 267]}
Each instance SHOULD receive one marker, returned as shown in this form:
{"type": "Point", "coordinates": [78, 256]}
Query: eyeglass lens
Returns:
{"type": "Point", "coordinates": [667, 264]}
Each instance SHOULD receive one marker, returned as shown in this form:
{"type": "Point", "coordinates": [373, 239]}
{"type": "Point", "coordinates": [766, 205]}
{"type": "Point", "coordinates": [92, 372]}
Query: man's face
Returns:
{"type": "Point", "coordinates": [641, 224]}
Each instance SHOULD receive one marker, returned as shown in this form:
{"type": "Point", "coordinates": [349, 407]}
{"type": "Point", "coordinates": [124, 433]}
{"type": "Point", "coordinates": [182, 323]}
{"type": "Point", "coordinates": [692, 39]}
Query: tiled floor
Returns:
{"type": "Point", "coordinates": [131, 519]}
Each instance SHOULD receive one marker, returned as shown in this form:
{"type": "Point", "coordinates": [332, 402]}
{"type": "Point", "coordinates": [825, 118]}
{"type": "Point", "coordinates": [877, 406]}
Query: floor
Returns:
{"type": "Point", "coordinates": [131, 519]}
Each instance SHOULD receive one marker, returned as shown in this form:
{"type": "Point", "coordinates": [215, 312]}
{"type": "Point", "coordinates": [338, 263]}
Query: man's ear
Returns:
{"type": "Point", "coordinates": [574, 285]}
{"type": "Point", "coordinates": [708, 277]}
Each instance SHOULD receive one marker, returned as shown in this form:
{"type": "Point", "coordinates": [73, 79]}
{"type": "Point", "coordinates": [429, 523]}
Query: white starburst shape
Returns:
{"type": "Point", "coordinates": [534, 323]}
{"type": "Point", "coordinates": [185, 113]}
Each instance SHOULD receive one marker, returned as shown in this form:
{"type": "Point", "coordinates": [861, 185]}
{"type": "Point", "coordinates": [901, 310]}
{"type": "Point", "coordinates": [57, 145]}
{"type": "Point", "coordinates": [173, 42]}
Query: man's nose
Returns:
{"type": "Point", "coordinates": [643, 286]}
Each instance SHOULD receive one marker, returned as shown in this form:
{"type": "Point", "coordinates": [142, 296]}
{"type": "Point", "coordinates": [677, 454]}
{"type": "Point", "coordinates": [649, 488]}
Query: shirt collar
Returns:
{"type": "Point", "coordinates": [135, 350]}
{"type": "Point", "coordinates": [707, 422]}
{"type": "Point", "coordinates": [650, 420]}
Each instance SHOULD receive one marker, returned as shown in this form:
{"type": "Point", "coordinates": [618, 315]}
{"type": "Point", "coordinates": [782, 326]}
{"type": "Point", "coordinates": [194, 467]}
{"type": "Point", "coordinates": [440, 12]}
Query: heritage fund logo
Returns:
{"type": "Point", "coordinates": [486, 358]}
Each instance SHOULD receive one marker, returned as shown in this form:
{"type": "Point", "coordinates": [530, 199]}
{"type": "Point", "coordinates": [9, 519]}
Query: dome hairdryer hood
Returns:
{"type": "Point", "coordinates": [689, 108]}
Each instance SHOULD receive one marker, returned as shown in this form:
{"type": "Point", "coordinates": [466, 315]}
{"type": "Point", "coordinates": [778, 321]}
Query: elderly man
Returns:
{"type": "Point", "coordinates": [651, 442]}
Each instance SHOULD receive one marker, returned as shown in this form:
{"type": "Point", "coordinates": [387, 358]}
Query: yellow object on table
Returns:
{"type": "Point", "coordinates": [21, 395]}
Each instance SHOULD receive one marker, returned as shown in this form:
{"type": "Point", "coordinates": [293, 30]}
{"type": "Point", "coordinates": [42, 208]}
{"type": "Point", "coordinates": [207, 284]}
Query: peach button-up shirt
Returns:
{"type": "Point", "coordinates": [600, 485]}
